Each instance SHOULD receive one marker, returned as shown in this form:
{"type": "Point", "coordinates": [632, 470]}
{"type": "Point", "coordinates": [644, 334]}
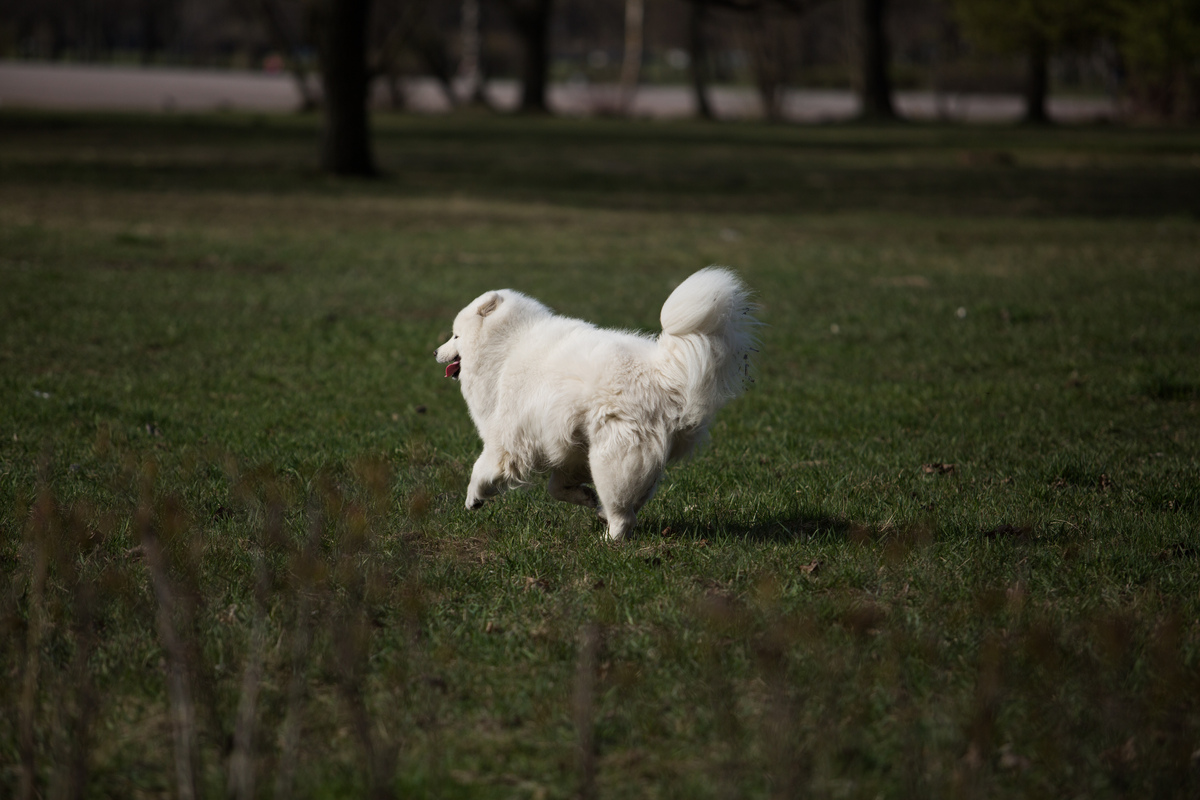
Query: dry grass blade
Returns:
{"type": "Point", "coordinates": [73, 780]}
{"type": "Point", "coordinates": [351, 633]}
{"type": "Point", "coordinates": [304, 584]}
{"type": "Point", "coordinates": [584, 710]}
{"type": "Point", "coordinates": [38, 548]}
{"type": "Point", "coordinates": [351, 638]}
{"type": "Point", "coordinates": [76, 776]}
{"type": "Point", "coordinates": [241, 761]}
{"type": "Point", "coordinates": [179, 693]}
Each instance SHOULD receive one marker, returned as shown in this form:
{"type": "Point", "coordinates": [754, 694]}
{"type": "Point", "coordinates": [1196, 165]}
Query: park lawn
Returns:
{"type": "Point", "coordinates": [947, 545]}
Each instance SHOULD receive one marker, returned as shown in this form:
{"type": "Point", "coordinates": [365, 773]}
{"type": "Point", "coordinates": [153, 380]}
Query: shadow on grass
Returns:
{"type": "Point", "coordinates": [588, 164]}
{"type": "Point", "coordinates": [802, 526]}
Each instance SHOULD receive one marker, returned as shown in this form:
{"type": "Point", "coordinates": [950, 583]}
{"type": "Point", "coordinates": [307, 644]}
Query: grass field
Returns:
{"type": "Point", "coordinates": [947, 545]}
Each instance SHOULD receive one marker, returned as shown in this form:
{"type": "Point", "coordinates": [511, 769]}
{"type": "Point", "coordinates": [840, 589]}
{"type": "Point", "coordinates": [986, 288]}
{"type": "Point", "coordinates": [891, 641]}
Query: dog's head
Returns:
{"type": "Point", "coordinates": [467, 333]}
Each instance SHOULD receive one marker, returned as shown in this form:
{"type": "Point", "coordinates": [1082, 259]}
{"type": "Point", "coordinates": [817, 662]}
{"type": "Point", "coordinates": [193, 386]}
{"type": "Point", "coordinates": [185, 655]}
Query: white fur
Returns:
{"type": "Point", "coordinates": [593, 406]}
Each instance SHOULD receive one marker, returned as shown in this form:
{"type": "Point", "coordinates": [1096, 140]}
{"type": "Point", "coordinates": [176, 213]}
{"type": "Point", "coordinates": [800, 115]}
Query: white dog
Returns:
{"type": "Point", "coordinates": [604, 407]}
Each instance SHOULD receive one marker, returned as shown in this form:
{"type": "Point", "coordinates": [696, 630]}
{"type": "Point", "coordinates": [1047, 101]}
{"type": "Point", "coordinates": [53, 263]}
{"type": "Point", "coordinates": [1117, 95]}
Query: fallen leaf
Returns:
{"type": "Point", "coordinates": [1011, 760]}
{"type": "Point", "coordinates": [1124, 754]}
{"type": "Point", "coordinates": [810, 568]}
{"type": "Point", "coordinates": [937, 468]}
{"type": "Point", "coordinates": [537, 583]}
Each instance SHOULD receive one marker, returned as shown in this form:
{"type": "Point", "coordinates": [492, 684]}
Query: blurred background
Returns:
{"type": "Point", "coordinates": [785, 60]}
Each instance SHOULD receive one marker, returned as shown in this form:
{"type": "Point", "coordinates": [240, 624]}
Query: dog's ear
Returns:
{"type": "Point", "coordinates": [490, 305]}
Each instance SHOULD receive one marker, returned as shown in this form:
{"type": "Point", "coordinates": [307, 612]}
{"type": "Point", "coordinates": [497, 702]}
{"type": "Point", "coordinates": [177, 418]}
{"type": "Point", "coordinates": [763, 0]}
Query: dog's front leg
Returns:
{"type": "Point", "coordinates": [485, 479]}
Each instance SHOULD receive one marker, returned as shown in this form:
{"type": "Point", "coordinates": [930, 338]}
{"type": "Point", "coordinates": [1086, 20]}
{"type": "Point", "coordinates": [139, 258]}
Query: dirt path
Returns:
{"type": "Point", "coordinates": [89, 87]}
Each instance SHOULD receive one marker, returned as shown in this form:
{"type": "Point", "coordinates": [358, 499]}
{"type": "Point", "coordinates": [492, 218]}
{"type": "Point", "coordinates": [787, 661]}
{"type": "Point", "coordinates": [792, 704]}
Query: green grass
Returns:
{"type": "Point", "coordinates": [946, 546]}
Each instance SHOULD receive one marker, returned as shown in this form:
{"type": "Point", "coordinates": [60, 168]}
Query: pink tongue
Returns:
{"type": "Point", "coordinates": [452, 369]}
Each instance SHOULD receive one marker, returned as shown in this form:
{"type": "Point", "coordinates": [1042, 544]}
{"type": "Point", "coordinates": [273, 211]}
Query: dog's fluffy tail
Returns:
{"type": "Point", "coordinates": [708, 337]}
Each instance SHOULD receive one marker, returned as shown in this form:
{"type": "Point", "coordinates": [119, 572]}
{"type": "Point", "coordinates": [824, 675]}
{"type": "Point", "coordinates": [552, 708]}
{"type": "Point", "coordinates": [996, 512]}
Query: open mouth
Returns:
{"type": "Point", "coordinates": [453, 367]}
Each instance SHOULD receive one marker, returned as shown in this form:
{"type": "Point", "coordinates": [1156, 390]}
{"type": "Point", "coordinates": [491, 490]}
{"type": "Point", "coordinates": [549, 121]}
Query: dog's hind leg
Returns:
{"type": "Point", "coordinates": [567, 485]}
{"type": "Point", "coordinates": [487, 478]}
{"type": "Point", "coordinates": [625, 477]}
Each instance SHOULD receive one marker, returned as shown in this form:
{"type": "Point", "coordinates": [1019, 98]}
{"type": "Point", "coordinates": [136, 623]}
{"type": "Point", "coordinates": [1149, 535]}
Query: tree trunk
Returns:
{"type": "Point", "coordinates": [769, 65]}
{"type": "Point", "coordinates": [150, 25]}
{"type": "Point", "coordinates": [285, 43]}
{"type": "Point", "coordinates": [699, 52]}
{"type": "Point", "coordinates": [631, 66]}
{"type": "Point", "coordinates": [1037, 82]}
{"type": "Point", "coordinates": [532, 20]}
{"type": "Point", "coordinates": [873, 57]}
{"type": "Point", "coordinates": [345, 140]}
{"type": "Point", "coordinates": [432, 50]}
{"type": "Point", "coordinates": [470, 66]}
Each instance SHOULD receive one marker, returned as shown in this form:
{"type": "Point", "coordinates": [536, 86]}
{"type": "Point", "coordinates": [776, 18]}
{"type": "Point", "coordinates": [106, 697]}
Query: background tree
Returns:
{"type": "Point", "coordinates": [1034, 28]}
{"type": "Point", "coordinates": [770, 30]}
{"type": "Point", "coordinates": [531, 19]}
{"type": "Point", "coordinates": [631, 61]}
{"type": "Point", "coordinates": [412, 36]}
{"type": "Point", "coordinates": [874, 58]}
{"type": "Point", "coordinates": [470, 65]}
{"type": "Point", "coordinates": [698, 65]}
{"type": "Point", "coordinates": [1160, 43]}
{"type": "Point", "coordinates": [284, 30]}
{"type": "Point", "coordinates": [345, 135]}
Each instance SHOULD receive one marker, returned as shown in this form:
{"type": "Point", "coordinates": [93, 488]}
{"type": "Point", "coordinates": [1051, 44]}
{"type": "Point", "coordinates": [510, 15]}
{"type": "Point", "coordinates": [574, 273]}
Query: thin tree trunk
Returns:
{"type": "Point", "coordinates": [699, 52]}
{"type": "Point", "coordinates": [286, 45]}
{"type": "Point", "coordinates": [631, 65]}
{"type": "Point", "coordinates": [532, 20]}
{"type": "Point", "coordinates": [437, 61]}
{"type": "Point", "coordinates": [768, 66]}
{"type": "Point", "coordinates": [1037, 82]}
{"type": "Point", "coordinates": [470, 65]}
{"type": "Point", "coordinates": [345, 140]}
{"type": "Point", "coordinates": [149, 32]}
{"type": "Point", "coordinates": [874, 58]}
